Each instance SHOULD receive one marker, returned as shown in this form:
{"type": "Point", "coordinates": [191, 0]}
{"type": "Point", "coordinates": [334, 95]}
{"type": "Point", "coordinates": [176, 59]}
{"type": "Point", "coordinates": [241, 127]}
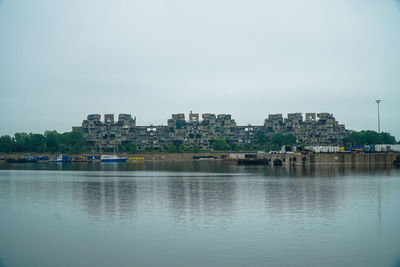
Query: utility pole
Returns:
{"type": "Point", "coordinates": [379, 122]}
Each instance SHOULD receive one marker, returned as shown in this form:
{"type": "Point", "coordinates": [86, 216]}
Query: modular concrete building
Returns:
{"type": "Point", "coordinates": [316, 129]}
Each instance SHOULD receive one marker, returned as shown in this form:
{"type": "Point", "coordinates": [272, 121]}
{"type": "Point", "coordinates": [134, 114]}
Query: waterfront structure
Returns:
{"type": "Point", "coordinates": [378, 101]}
{"type": "Point", "coordinates": [315, 129]}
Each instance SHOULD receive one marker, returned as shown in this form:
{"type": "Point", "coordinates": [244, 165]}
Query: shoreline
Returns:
{"type": "Point", "coordinates": [284, 159]}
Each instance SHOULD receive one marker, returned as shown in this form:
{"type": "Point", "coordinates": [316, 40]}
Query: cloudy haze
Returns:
{"type": "Point", "coordinates": [61, 60]}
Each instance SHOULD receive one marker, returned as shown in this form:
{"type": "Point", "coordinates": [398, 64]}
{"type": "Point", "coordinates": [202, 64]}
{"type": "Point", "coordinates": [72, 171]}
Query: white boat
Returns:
{"type": "Point", "coordinates": [112, 158]}
{"type": "Point", "coordinates": [60, 158]}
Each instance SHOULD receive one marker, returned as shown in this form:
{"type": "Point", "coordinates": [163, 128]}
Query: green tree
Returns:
{"type": "Point", "coordinates": [290, 140]}
{"type": "Point", "coordinates": [37, 143]}
{"type": "Point", "coordinates": [369, 137]}
{"type": "Point", "coordinates": [220, 144]}
{"type": "Point", "coordinates": [196, 149]}
{"type": "Point", "coordinates": [74, 141]}
{"type": "Point", "coordinates": [283, 139]}
{"type": "Point", "coordinates": [260, 137]}
{"type": "Point", "coordinates": [239, 148]}
{"type": "Point", "coordinates": [20, 142]}
{"type": "Point", "coordinates": [131, 148]}
{"type": "Point", "coordinates": [6, 144]}
{"type": "Point", "coordinates": [120, 148]}
{"type": "Point", "coordinates": [246, 146]}
{"type": "Point", "coordinates": [387, 138]}
{"type": "Point", "coordinates": [51, 141]}
{"type": "Point", "coordinates": [234, 147]}
{"type": "Point", "coordinates": [277, 139]}
{"type": "Point", "coordinates": [172, 148]}
{"type": "Point", "coordinates": [63, 148]}
{"type": "Point", "coordinates": [76, 149]}
{"type": "Point", "coordinates": [181, 148]}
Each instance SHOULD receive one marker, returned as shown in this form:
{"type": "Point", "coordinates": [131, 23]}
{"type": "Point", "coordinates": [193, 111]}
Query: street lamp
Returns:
{"type": "Point", "coordinates": [379, 121]}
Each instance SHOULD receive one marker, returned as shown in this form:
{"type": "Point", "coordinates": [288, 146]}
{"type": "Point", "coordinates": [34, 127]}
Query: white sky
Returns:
{"type": "Point", "coordinates": [61, 60]}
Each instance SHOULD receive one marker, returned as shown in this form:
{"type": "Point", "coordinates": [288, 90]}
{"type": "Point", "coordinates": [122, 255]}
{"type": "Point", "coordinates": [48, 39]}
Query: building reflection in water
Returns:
{"type": "Point", "coordinates": [105, 198]}
{"type": "Point", "coordinates": [201, 196]}
{"type": "Point", "coordinates": [191, 191]}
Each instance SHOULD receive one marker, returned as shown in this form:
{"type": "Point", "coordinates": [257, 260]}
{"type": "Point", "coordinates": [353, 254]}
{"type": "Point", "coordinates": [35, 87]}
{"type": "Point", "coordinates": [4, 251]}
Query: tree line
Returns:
{"type": "Point", "coordinates": [74, 143]}
{"type": "Point", "coordinates": [368, 137]}
{"type": "Point", "coordinates": [51, 141]}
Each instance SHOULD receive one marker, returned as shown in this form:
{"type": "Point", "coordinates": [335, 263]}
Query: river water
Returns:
{"type": "Point", "coordinates": [198, 214]}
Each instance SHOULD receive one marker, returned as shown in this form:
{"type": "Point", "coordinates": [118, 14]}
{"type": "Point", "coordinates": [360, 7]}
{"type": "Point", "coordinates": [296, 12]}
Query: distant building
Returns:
{"type": "Point", "coordinates": [322, 131]}
{"type": "Point", "coordinates": [316, 129]}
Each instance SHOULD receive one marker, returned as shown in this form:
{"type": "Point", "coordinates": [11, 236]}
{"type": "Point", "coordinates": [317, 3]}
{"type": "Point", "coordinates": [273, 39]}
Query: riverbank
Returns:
{"type": "Point", "coordinates": [283, 159]}
{"type": "Point", "coordinates": [146, 156]}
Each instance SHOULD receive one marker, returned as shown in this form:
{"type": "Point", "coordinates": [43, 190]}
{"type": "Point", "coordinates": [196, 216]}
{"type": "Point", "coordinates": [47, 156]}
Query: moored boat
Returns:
{"type": "Point", "coordinates": [112, 158]}
{"type": "Point", "coordinates": [79, 159]}
{"type": "Point", "coordinates": [61, 158]}
{"type": "Point", "coordinates": [23, 159]}
{"type": "Point", "coordinates": [135, 160]}
{"type": "Point", "coordinates": [203, 157]}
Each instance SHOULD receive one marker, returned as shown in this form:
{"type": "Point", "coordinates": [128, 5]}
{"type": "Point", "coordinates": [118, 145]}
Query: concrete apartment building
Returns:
{"type": "Point", "coordinates": [315, 129]}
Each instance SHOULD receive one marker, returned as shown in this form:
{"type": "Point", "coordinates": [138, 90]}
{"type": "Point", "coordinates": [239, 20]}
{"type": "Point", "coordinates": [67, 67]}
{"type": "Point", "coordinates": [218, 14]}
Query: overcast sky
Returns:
{"type": "Point", "coordinates": [62, 60]}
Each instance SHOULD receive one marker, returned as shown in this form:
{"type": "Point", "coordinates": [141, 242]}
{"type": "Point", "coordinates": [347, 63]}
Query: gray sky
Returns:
{"type": "Point", "coordinates": [61, 60]}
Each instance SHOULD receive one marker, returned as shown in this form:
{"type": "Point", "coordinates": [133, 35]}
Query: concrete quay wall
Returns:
{"type": "Point", "coordinates": [331, 158]}
{"type": "Point", "coordinates": [286, 159]}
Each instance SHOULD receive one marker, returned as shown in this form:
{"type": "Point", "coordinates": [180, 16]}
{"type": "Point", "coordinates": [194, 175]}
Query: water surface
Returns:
{"type": "Point", "coordinates": [198, 214]}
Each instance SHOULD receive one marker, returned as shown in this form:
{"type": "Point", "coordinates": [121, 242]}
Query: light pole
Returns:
{"type": "Point", "coordinates": [379, 122]}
